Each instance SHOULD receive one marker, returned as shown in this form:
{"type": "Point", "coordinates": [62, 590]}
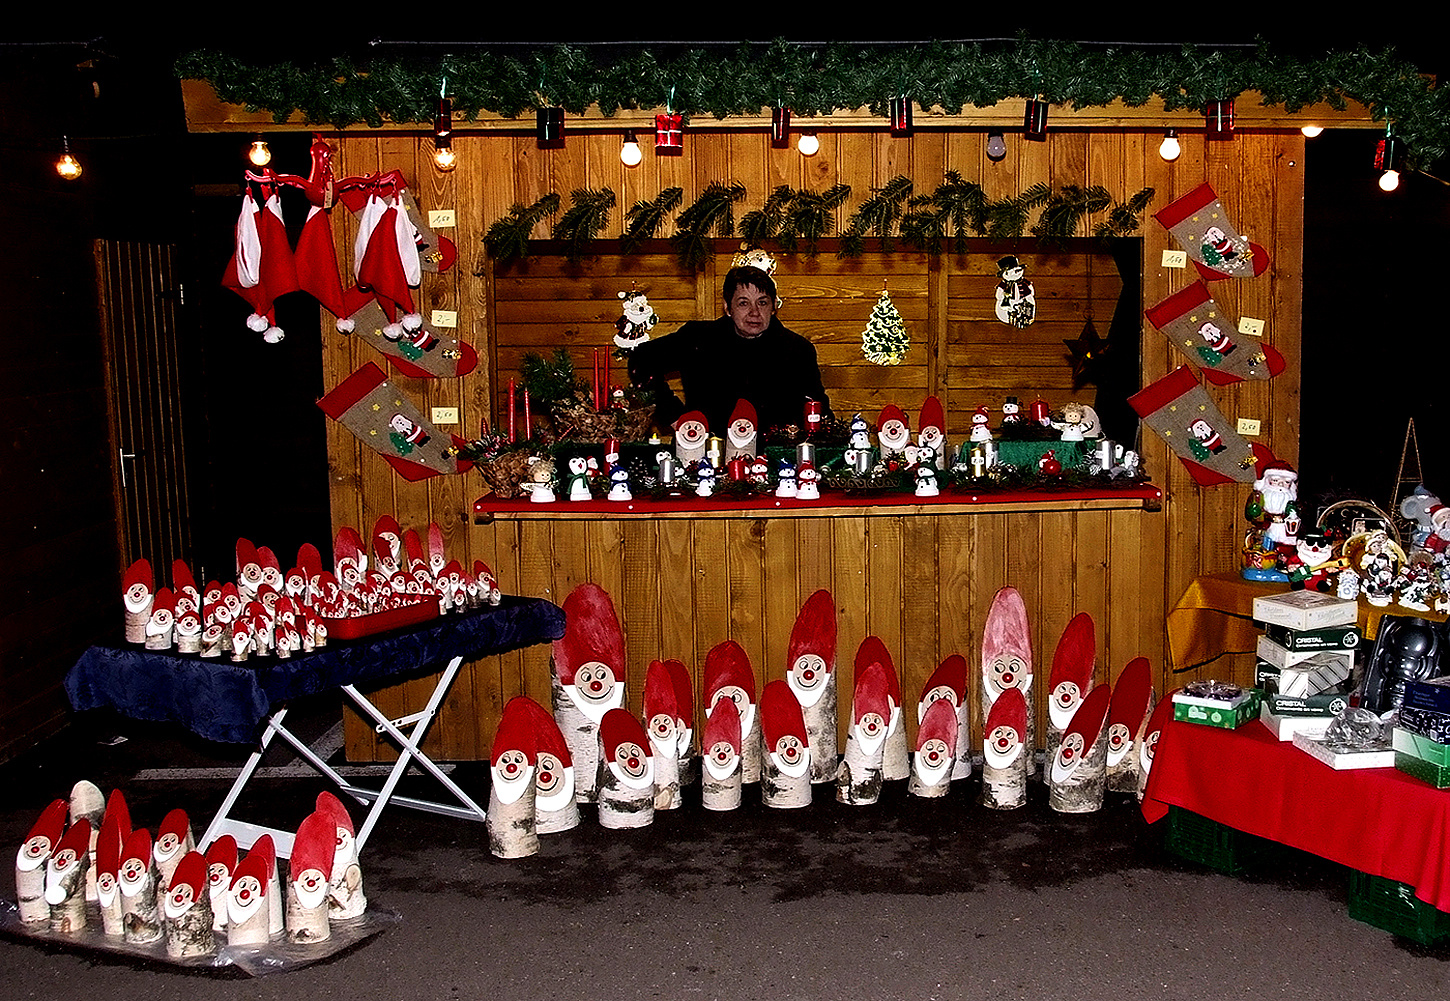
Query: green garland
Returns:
{"type": "Point", "coordinates": [817, 79]}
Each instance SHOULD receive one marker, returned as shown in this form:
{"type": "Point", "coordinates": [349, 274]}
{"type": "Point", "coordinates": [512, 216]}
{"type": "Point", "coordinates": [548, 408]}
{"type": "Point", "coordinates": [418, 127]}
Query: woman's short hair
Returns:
{"type": "Point", "coordinates": [754, 277]}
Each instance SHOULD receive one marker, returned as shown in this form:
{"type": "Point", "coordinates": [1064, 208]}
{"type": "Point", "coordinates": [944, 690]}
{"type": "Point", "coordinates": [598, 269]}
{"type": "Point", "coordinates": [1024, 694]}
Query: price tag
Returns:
{"type": "Point", "coordinates": [1252, 327]}
{"type": "Point", "coordinates": [445, 415]}
{"type": "Point", "coordinates": [444, 318]}
{"type": "Point", "coordinates": [441, 219]}
{"type": "Point", "coordinates": [1175, 258]}
{"type": "Point", "coordinates": [1248, 426]}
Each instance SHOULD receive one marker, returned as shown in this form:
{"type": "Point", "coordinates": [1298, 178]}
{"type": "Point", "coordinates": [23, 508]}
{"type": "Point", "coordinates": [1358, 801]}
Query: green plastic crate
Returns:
{"type": "Point", "coordinates": [1393, 906]}
{"type": "Point", "coordinates": [1207, 842]}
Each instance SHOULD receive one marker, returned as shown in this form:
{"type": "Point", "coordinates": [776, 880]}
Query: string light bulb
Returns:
{"type": "Point", "coordinates": [259, 154]}
{"type": "Point", "coordinates": [808, 144]}
{"type": "Point", "coordinates": [1310, 131]}
{"type": "Point", "coordinates": [444, 158]}
{"type": "Point", "coordinates": [66, 165]}
{"type": "Point", "coordinates": [629, 153]}
{"type": "Point", "coordinates": [1386, 153]}
{"type": "Point", "coordinates": [996, 147]}
{"type": "Point", "coordinates": [1169, 148]}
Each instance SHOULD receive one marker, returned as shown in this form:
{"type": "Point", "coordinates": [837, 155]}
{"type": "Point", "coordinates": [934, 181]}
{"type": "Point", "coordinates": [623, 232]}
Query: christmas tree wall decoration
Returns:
{"type": "Point", "coordinates": [884, 341]}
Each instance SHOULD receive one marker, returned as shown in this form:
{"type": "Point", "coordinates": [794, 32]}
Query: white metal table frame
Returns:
{"type": "Point", "coordinates": [410, 751]}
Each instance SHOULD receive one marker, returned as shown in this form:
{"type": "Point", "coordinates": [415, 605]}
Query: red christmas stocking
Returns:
{"type": "Point", "coordinates": [390, 424]}
{"type": "Point", "coordinates": [1178, 409]}
{"type": "Point", "coordinates": [1201, 329]}
{"type": "Point", "coordinates": [1200, 225]}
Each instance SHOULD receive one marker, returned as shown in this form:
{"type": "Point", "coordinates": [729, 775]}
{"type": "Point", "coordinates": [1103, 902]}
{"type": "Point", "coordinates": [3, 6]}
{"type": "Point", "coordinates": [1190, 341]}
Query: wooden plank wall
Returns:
{"type": "Point", "coordinates": [1143, 561]}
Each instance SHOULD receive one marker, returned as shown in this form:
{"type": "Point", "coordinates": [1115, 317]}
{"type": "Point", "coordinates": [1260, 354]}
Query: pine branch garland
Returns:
{"type": "Point", "coordinates": [877, 216]}
{"type": "Point", "coordinates": [644, 219]}
{"type": "Point", "coordinates": [585, 220]}
{"type": "Point", "coordinates": [809, 217]}
{"type": "Point", "coordinates": [712, 213]}
{"type": "Point", "coordinates": [762, 224]}
{"type": "Point", "coordinates": [509, 237]}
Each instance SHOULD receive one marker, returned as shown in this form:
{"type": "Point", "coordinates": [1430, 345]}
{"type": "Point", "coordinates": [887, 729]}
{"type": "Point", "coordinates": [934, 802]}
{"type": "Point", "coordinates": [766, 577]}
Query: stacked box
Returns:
{"type": "Point", "coordinates": [1382, 757]}
{"type": "Point", "coordinates": [1422, 758]}
{"type": "Point", "coordinates": [1426, 723]}
{"type": "Point", "coordinates": [1433, 695]}
{"type": "Point", "coordinates": [1305, 610]}
{"type": "Point", "coordinates": [1393, 906]}
{"type": "Point", "coordinates": [1287, 716]}
{"type": "Point", "coordinates": [1227, 715]}
{"type": "Point", "coordinates": [1335, 638]}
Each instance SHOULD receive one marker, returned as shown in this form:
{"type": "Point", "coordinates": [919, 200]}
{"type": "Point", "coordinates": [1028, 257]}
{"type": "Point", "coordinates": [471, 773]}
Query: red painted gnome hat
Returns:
{"type": "Point", "coordinates": [77, 838]}
{"type": "Point", "coordinates": [873, 651]}
{"type": "Point", "coordinates": [51, 824]}
{"type": "Point", "coordinates": [165, 601]}
{"type": "Point", "coordinates": [950, 673]}
{"type": "Point", "coordinates": [176, 822]}
{"type": "Point", "coordinates": [382, 549]}
{"type": "Point", "coordinates": [258, 865]}
{"type": "Point", "coordinates": [191, 871]}
{"type": "Point", "coordinates": [939, 723]}
{"type": "Point", "coordinates": [1088, 720]}
{"type": "Point", "coordinates": [780, 714]}
{"type": "Point", "coordinates": [617, 727]}
{"type": "Point", "coordinates": [265, 850]}
{"type": "Point", "coordinates": [548, 738]}
{"type": "Point", "coordinates": [1131, 694]}
{"type": "Point", "coordinates": [138, 573]}
{"type": "Point", "coordinates": [331, 807]}
{"type": "Point", "coordinates": [246, 555]}
{"type": "Point", "coordinates": [515, 733]}
{"type": "Point", "coordinates": [688, 416]}
{"type": "Point", "coordinates": [684, 692]}
{"type": "Point", "coordinates": [814, 630]}
{"type": "Point", "coordinates": [744, 409]}
{"type": "Point", "coordinates": [267, 560]}
{"type": "Point", "coordinates": [659, 693]}
{"type": "Point", "coordinates": [1162, 713]}
{"type": "Point", "coordinates": [872, 692]}
{"type": "Point", "coordinates": [347, 546]}
{"type": "Point", "coordinates": [117, 807]}
{"type": "Point", "coordinates": [387, 525]}
{"type": "Point", "coordinates": [313, 846]}
{"type": "Point", "coordinates": [891, 412]}
{"type": "Point", "coordinates": [138, 847]}
{"type": "Point", "coordinates": [728, 664]}
{"type": "Point", "coordinates": [1075, 655]}
{"type": "Point", "coordinates": [1010, 710]}
{"type": "Point", "coordinates": [437, 553]}
{"type": "Point", "coordinates": [723, 724]}
{"type": "Point", "coordinates": [223, 851]}
{"type": "Point", "coordinates": [181, 577]}
{"type": "Point", "coordinates": [413, 551]}
{"type": "Point", "coordinates": [931, 415]}
{"type": "Point", "coordinates": [591, 633]}
{"type": "Point", "coordinates": [115, 829]}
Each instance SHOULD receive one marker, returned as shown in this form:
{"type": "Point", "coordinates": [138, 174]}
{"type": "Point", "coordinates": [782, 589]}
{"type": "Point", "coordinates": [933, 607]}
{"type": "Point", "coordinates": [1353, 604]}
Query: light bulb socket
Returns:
{"type": "Point", "coordinates": [899, 110]}
{"type": "Point", "coordinates": [1387, 153]}
{"type": "Point", "coordinates": [1034, 121]}
{"type": "Point", "coordinates": [443, 119]}
{"type": "Point", "coordinates": [1218, 118]}
{"type": "Point", "coordinates": [549, 128]}
{"type": "Point", "coordinates": [780, 128]}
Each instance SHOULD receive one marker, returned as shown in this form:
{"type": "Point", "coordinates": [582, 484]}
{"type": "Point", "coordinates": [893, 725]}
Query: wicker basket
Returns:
{"type": "Point", "coordinates": [504, 473]}
{"type": "Point", "coordinates": [581, 422]}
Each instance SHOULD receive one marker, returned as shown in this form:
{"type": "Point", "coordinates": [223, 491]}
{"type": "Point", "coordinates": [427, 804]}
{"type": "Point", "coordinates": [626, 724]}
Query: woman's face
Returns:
{"type": "Point", "coordinates": [751, 309]}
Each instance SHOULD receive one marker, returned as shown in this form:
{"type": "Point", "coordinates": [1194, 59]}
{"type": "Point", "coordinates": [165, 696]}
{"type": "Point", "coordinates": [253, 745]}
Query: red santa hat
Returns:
{"type": "Point", "coordinates": [382, 549]}
{"type": "Point", "coordinates": [165, 601]}
{"type": "Point", "coordinates": [50, 825]}
{"type": "Point", "coordinates": [981, 416]}
{"type": "Point", "coordinates": [246, 556]}
{"type": "Point", "coordinates": [722, 725]}
{"type": "Point", "coordinates": [939, 723]}
{"type": "Point", "coordinates": [780, 715]}
{"type": "Point", "coordinates": [386, 261]}
{"type": "Point", "coordinates": [1010, 710]}
{"type": "Point", "coordinates": [1131, 695]}
{"type": "Point", "coordinates": [931, 415]}
{"type": "Point", "coordinates": [177, 824]}
{"type": "Point", "coordinates": [267, 560]}
{"type": "Point", "coordinates": [138, 573]}
{"type": "Point", "coordinates": [317, 271]}
{"type": "Point", "coordinates": [744, 410]}
{"type": "Point", "coordinates": [265, 849]}
{"type": "Point", "coordinates": [814, 631]}
{"type": "Point", "coordinates": [109, 842]}
{"type": "Point", "coordinates": [891, 412]}
{"type": "Point", "coordinates": [387, 525]}
{"type": "Point", "coordinates": [872, 693]}
{"type": "Point", "coordinates": [688, 416]}
{"type": "Point", "coordinates": [1075, 655]}
{"type": "Point", "coordinates": [347, 546]}
{"type": "Point", "coordinates": [190, 873]}
{"type": "Point", "coordinates": [618, 726]}
{"type": "Point", "coordinates": [659, 694]}
{"type": "Point", "coordinates": [313, 846]}
{"type": "Point", "coordinates": [591, 633]}
{"type": "Point", "coordinates": [684, 692]}
{"type": "Point", "coordinates": [257, 865]}
{"type": "Point", "coordinates": [1088, 720]}
{"type": "Point", "coordinates": [1160, 718]}
{"type": "Point", "coordinates": [261, 269]}
{"type": "Point", "coordinates": [516, 732]}
{"type": "Point", "coordinates": [1266, 462]}
{"type": "Point", "coordinates": [728, 664]}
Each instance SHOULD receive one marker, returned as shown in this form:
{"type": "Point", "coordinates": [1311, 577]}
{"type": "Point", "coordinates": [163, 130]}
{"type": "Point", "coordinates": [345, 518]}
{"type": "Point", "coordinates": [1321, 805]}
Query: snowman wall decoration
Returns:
{"type": "Point", "coordinates": [1016, 298]}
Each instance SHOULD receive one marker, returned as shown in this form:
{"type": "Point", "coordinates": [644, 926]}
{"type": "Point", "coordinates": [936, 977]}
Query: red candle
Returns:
{"type": "Point", "coordinates": [596, 379]}
{"type": "Point", "coordinates": [528, 422]}
{"type": "Point", "coordinates": [512, 435]}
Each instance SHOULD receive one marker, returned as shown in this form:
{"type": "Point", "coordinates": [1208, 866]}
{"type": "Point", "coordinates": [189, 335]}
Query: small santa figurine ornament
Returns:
{"type": "Point", "coordinates": [1004, 752]}
{"type": "Point", "coordinates": [691, 436]}
{"type": "Point", "coordinates": [137, 593]}
{"type": "Point", "coordinates": [936, 751]}
{"type": "Point", "coordinates": [740, 436]}
{"type": "Point", "coordinates": [858, 780]}
{"type": "Point", "coordinates": [637, 321]}
{"type": "Point", "coordinates": [626, 773]}
{"type": "Point", "coordinates": [720, 758]}
{"type": "Point", "coordinates": [662, 725]}
{"type": "Point", "coordinates": [807, 488]}
{"type": "Point", "coordinates": [894, 434]}
{"type": "Point", "coordinates": [785, 769]}
{"type": "Point", "coordinates": [1273, 511]}
{"type": "Point", "coordinates": [811, 675]}
{"type": "Point", "coordinates": [511, 821]}
{"type": "Point", "coordinates": [948, 683]}
{"type": "Point", "coordinates": [1129, 710]}
{"type": "Point", "coordinates": [588, 678]}
{"type": "Point", "coordinates": [931, 430]}
{"type": "Point", "coordinates": [1071, 678]}
{"type": "Point", "coordinates": [981, 430]}
{"type": "Point", "coordinates": [1007, 659]}
{"type": "Point", "coordinates": [729, 677]}
{"type": "Point", "coordinates": [186, 910]}
{"type": "Point", "coordinates": [1314, 564]}
{"type": "Point", "coordinates": [305, 913]}
{"type": "Point", "coordinates": [1078, 775]}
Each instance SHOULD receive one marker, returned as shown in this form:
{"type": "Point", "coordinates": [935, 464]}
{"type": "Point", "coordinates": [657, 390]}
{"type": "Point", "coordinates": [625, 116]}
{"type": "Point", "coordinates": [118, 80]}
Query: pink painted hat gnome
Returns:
{"type": "Point", "coordinates": [949, 682]}
{"type": "Point", "coordinates": [720, 758]}
{"type": "Point", "coordinates": [138, 590]}
{"type": "Point", "coordinates": [1077, 776]}
{"type": "Point", "coordinates": [1004, 756]}
{"type": "Point", "coordinates": [186, 910]}
{"type": "Point", "coordinates": [65, 879]}
{"type": "Point", "coordinates": [662, 725]}
{"type": "Point", "coordinates": [1132, 702]}
{"type": "Point", "coordinates": [349, 561]}
{"type": "Point", "coordinates": [512, 832]}
{"type": "Point", "coordinates": [307, 882]}
{"type": "Point", "coordinates": [936, 750]}
{"type": "Point", "coordinates": [858, 780]}
{"type": "Point", "coordinates": [728, 675]}
{"type": "Point", "coordinates": [895, 761]}
{"type": "Point", "coordinates": [1007, 654]}
{"type": "Point", "coordinates": [741, 434]}
{"type": "Point", "coordinates": [811, 675]}
{"type": "Point", "coordinates": [626, 772]}
{"type": "Point", "coordinates": [1071, 677]}
{"type": "Point", "coordinates": [785, 779]}
{"type": "Point", "coordinates": [40, 844]}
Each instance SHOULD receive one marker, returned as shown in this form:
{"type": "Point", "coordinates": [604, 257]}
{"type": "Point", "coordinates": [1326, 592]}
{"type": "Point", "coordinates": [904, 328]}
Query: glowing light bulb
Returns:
{"type": "Point", "coordinates": [1310, 131]}
{"type": "Point", "coordinates": [68, 167]}
{"type": "Point", "coordinates": [808, 144]}
{"type": "Point", "coordinates": [444, 158]}
{"type": "Point", "coordinates": [629, 153]}
{"type": "Point", "coordinates": [1389, 180]}
{"type": "Point", "coordinates": [1169, 149]}
{"type": "Point", "coordinates": [259, 154]}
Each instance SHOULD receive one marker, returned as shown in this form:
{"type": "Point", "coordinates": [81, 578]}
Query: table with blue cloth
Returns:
{"type": "Point", "coordinates": [230, 702]}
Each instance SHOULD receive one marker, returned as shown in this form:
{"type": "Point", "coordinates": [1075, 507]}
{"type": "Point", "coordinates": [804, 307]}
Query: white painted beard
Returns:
{"type": "Point", "coordinates": [1276, 499]}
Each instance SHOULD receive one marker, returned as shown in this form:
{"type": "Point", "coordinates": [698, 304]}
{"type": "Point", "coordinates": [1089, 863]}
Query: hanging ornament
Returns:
{"type": "Point", "coordinates": [1016, 298]}
{"type": "Point", "coordinates": [884, 341]}
{"type": "Point", "coordinates": [669, 134]}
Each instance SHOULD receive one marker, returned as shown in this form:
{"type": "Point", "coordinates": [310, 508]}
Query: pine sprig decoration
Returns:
{"type": "Point", "coordinates": [762, 224]}
{"type": "Point", "coordinates": [550, 381]}
{"type": "Point", "coordinates": [810, 216]}
{"type": "Point", "coordinates": [584, 220]}
{"type": "Point", "coordinates": [1066, 208]}
{"type": "Point", "coordinates": [877, 216]}
{"type": "Point", "coordinates": [509, 237]}
{"type": "Point", "coordinates": [712, 214]}
{"type": "Point", "coordinates": [645, 217]}
{"type": "Point", "coordinates": [884, 341]}
{"type": "Point", "coordinates": [1123, 219]}
{"type": "Point", "coordinates": [955, 209]}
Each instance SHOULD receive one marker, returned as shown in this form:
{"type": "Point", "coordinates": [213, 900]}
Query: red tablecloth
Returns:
{"type": "Point", "coordinates": [1376, 820]}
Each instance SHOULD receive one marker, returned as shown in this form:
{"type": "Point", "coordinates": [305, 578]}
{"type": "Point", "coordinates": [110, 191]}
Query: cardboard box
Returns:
{"type": "Point", "coordinates": [1427, 772]}
{"type": "Point", "coordinates": [1330, 703]}
{"type": "Point", "coordinates": [1272, 653]}
{"type": "Point", "coordinates": [1289, 727]}
{"type": "Point", "coordinates": [1433, 695]}
{"type": "Point", "coordinates": [1319, 673]}
{"type": "Point", "coordinates": [1304, 610]}
{"type": "Point", "coordinates": [1209, 712]}
{"type": "Point", "coordinates": [1434, 725]}
{"type": "Point", "coordinates": [1338, 638]}
{"type": "Point", "coordinates": [1423, 748]}
{"type": "Point", "coordinates": [1345, 760]}
{"type": "Point", "coordinates": [1266, 676]}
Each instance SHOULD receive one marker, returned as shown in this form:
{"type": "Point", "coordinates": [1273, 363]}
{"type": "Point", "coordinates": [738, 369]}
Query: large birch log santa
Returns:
{"type": "Point", "coordinates": [895, 756]}
{"type": "Point", "coordinates": [40, 844]}
{"type": "Point", "coordinates": [186, 910]}
{"type": "Point", "coordinates": [65, 879]}
{"type": "Point", "coordinates": [1129, 710]}
{"type": "Point", "coordinates": [626, 773]}
{"type": "Point", "coordinates": [728, 675]}
{"type": "Point", "coordinates": [858, 779]}
{"type": "Point", "coordinates": [115, 829]}
{"type": "Point", "coordinates": [554, 806]}
{"type": "Point", "coordinates": [685, 723]}
{"type": "Point", "coordinates": [936, 750]}
{"type": "Point", "coordinates": [1147, 740]}
{"type": "Point", "coordinates": [720, 758]}
{"type": "Point", "coordinates": [88, 803]}
{"type": "Point", "coordinates": [141, 921]}
{"type": "Point", "coordinates": [1071, 678]}
{"type": "Point", "coordinates": [1005, 753]}
{"type": "Point", "coordinates": [248, 919]}
{"type": "Point", "coordinates": [1078, 772]}
{"type": "Point", "coordinates": [811, 674]}
{"type": "Point", "coordinates": [307, 880]}
{"type": "Point", "coordinates": [221, 862]}
{"type": "Point", "coordinates": [1007, 664]}
{"type": "Point", "coordinates": [662, 725]}
{"type": "Point", "coordinates": [949, 683]}
{"type": "Point", "coordinates": [138, 593]}
{"type": "Point", "coordinates": [345, 897]}
{"type": "Point", "coordinates": [173, 841]}
{"type": "Point", "coordinates": [511, 824]}
{"type": "Point", "coordinates": [785, 769]}
{"type": "Point", "coordinates": [587, 670]}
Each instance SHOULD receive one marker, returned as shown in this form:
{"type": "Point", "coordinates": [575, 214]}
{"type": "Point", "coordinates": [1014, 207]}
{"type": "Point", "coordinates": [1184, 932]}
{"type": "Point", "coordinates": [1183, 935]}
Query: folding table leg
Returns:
{"type": "Point", "coordinates": [222, 822]}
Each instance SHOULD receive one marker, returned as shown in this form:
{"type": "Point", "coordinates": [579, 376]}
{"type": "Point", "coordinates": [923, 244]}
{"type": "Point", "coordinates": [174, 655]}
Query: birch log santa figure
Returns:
{"type": "Point", "coordinates": [811, 675]}
{"type": "Point", "coordinates": [728, 675]}
{"type": "Point", "coordinates": [173, 841]}
{"type": "Point", "coordinates": [141, 920]}
{"type": "Point", "coordinates": [587, 670]}
{"type": "Point", "coordinates": [554, 806]}
{"type": "Point", "coordinates": [1007, 663]}
{"type": "Point", "coordinates": [626, 773]}
{"type": "Point", "coordinates": [511, 824]}
{"type": "Point", "coordinates": [1071, 678]}
{"type": "Point", "coordinates": [685, 722]}
{"type": "Point", "coordinates": [221, 862]}
{"type": "Point", "coordinates": [720, 758]}
{"type": "Point", "coordinates": [1005, 753]}
{"type": "Point", "coordinates": [345, 897]}
{"type": "Point", "coordinates": [1130, 708]}
{"type": "Point", "coordinates": [88, 803]}
{"type": "Point", "coordinates": [115, 829]}
{"type": "Point", "coordinates": [785, 768]}
{"type": "Point", "coordinates": [895, 758]}
{"type": "Point", "coordinates": [949, 683]}
{"type": "Point", "coordinates": [936, 751]}
{"type": "Point", "coordinates": [30, 862]}
{"type": "Point", "coordinates": [248, 920]}
{"type": "Point", "coordinates": [267, 849]}
{"type": "Point", "coordinates": [1148, 740]}
{"type": "Point", "coordinates": [137, 594]}
{"type": "Point", "coordinates": [161, 626]}
{"type": "Point", "coordinates": [308, 869]}
{"type": "Point", "coordinates": [1078, 772]}
{"type": "Point", "coordinates": [65, 879]}
{"type": "Point", "coordinates": [662, 724]}
{"type": "Point", "coordinates": [858, 779]}
{"type": "Point", "coordinates": [186, 910]}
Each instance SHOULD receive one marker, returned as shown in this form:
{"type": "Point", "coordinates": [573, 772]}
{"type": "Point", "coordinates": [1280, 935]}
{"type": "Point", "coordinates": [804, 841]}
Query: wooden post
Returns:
{"type": "Point", "coordinates": [811, 675]}
{"type": "Point", "coordinates": [1007, 665]}
{"type": "Point", "coordinates": [1078, 774]}
{"type": "Point", "coordinates": [1004, 752]}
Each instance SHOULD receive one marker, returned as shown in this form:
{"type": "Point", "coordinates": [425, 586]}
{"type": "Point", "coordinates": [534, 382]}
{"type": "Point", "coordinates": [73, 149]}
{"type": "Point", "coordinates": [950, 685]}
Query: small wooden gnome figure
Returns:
{"type": "Point", "coordinates": [160, 628]}
{"type": "Point", "coordinates": [173, 841]}
{"type": "Point", "coordinates": [110, 841]}
{"type": "Point", "coordinates": [345, 897]}
{"type": "Point", "coordinates": [554, 806]}
{"type": "Point", "coordinates": [30, 862]}
{"type": "Point", "coordinates": [186, 910]}
{"type": "Point", "coordinates": [720, 758]}
{"type": "Point", "coordinates": [785, 768]}
{"type": "Point", "coordinates": [249, 568]}
{"type": "Point", "coordinates": [65, 879]}
{"type": "Point", "coordinates": [138, 591]}
{"type": "Point", "coordinates": [811, 675]}
{"type": "Point", "coordinates": [221, 862]}
{"type": "Point", "coordinates": [267, 849]}
{"type": "Point", "coordinates": [691, 434]}
{"type": "Point", "coordinates": [931, 430]}
{"type": "Point", "coordinates": [248, 913]}
{"type": "Point", "coordinates": [183, 585]}
{"type": "Point", "coordinates": [741, 435]}
{"type": "Point", "coordinates": [949, 683]}
{"type": "Point", "coordinates": [1148, 739]}
{"type": "Point", "coordinates": [1131, 706]}
{"type": "Point", "coordinates": [306, 910]}
{"type": "Point", "coordinates": [89, 804]}
{"type": "Point", "coordinates": [728, 675]}
{"type": "Point", "coordinates": [1007, 660]}
{"type": "Point", "coordinates": [588, 678]}
{"type": "Point", "coordinates": [662, 725]}
{"type": "Point", "coordinates": [1004, 752]}
{"type": "Point", "coordinates": [893, 435]}
{"type": "Point", "coordinates": [1071, 678]}
{"type": "Point", "coordinates": [437, 550]}
{"type": "Point", "coordinates": [349, 559]}
{"type": "Point", "coordinates": [685, 719]}
{"type": "Point", "coordinates": [141, 920]}
{"type": "Point", "coordinates": [895, 758]}
{"type": "Point", "coordinates": [1078, 773]}
{"type": "Point", "coordinates": [511, 822]}
{"type": "Point", "coordinates": [271, 569]}
{"type": "Point", "coordinates": [858, 780]}
{"type": "Point", "coordinates": [626, 773]}
{"type": "Point", "coordinates": [936, 751]}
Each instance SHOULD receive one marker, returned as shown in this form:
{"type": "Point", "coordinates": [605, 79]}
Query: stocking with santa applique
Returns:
{"type": "Point", "coordinates": [389, 423]}
{"type": "Point", "coordinates": [1201, 329]}
{"type": "Point", "coordinates": [1200, 224]}
{"type": "Point", "coordinates": [1177, 407]}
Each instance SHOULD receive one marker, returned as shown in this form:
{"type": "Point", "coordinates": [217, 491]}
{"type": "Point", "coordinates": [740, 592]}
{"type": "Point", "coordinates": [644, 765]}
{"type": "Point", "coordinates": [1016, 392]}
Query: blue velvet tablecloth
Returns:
{"type": "Point", "coordinates": [226, 702]}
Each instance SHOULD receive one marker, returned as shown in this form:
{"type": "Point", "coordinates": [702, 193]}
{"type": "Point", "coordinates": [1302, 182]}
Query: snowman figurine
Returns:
{"type": "Point", "coordinates": [785, 484]}
{"type": "Point", "coordinates": [807, 488]}
{"type": "Point", "coordinates": [980, 429]}
{"type": "Point", "coordinates": [619, 484]}
{"type": "Point", "coordinates": [926, 485]}
{"type": "Point", "coordinates": [705, 480]}
{"type": "Point", "coordinates": [578, 482]}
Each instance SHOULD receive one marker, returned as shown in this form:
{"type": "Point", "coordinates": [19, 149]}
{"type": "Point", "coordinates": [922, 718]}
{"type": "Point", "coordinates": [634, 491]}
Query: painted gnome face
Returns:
{"type": "Point", "coordinates": [595, 686]}
{"type": "Point", "coordinates": [511, 775]}
{"type": "Point", "coordinates": [106, 887]}
{"type": "Point", "coordinates": [1064, 702]}
{"type": "Point", "coordinates": [311, 887]}
{"type": "Point", "coordinates": [741, 432]}
{"type": "Point", "coordinates": [553, 783]}
{"type": "Point", "coordinates": [1008, 671]}
{"type": "Point", "coordinates": [894, 433]}
{"type": "Point", "coordinates": [60, 873]}
{"type": "Point", "coordinates": [663, 732]}
{"type": "Point", "coordinates": [691, 432]}
{"type": "Point", "coordinates": [1068, 756]}
{"type": "Point", "coordinates": [251, 576]}
{"type": "Point", "coordinates": [179, 899]}
{"type": "Point", "coordinates": [136, 597]}
{"type": "Point", "coordinates": [932, 760]}
{"type": "Point", "coordinates": [870, 731]}
{"type": "Point", "coordinates": [631, 765]}
{"type": "Point", "coordinates": [244, 898]}
{"type": "Point", "coordinates": [938, 693]}
{"type": "Point", "coordinates": [218, 878]}
{"type": "Point", "coordinates": [133, 876]}
{"type": "Point", "coordinates": [1002, 745]}
{"type": "Point", "coordinates": [808, 678]}
{"type": "Point", "coordinates": [1120, 742]}
{"type": "Point", "coordinates": [791, 755]}
{"type": "Point", "coordinates": [34, 853]}
{"type": "Point", "coordinates": [930, 437]}
{"type": "Point", "coordinates": [721, 759]}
